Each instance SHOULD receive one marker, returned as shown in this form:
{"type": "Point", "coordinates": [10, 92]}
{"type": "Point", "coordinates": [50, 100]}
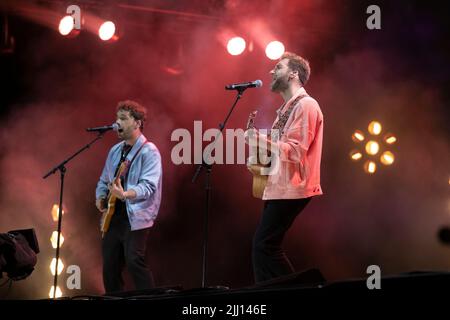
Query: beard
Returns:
{"type": "Point", "coordinates": [279, 84]}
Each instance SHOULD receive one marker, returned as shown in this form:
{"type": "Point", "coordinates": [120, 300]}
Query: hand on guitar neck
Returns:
{"type": "Point", "coordinates": [259, 143]}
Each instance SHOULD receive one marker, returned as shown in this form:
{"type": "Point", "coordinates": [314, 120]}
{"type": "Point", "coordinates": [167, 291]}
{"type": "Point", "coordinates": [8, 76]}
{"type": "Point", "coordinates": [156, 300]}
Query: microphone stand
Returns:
{"type": "Point", "coordinates": [62, 169]}
{"type": "Point", "coordinates": [207, 165]}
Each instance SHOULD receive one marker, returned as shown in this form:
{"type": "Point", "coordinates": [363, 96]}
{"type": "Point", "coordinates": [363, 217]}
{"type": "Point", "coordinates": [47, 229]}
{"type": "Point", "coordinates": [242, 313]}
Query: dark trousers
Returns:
{"type": "Point", "coordinates": [269, 259]}
{"type": "Point", "coordinates": [121, 247]}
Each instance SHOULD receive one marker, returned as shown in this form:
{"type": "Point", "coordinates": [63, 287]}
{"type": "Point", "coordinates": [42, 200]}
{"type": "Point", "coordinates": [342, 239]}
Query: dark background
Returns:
{"type": "Point", "coordinates": [171, 58]}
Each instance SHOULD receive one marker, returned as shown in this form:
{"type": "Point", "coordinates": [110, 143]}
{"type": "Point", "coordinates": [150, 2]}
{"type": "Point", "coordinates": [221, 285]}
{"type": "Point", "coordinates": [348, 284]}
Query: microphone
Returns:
{"type": "Point", "coordinates": [245, 85]}
{"type": "Point", "coordinates": [115, 126]}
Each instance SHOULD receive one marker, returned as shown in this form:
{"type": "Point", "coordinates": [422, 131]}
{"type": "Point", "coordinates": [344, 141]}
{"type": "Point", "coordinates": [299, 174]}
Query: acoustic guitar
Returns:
{"type": "Point", "coordinates": [259, 180]}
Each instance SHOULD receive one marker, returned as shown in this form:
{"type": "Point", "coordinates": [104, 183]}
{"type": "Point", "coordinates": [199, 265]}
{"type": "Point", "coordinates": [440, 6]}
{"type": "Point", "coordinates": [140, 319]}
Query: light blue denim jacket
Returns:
{"type": "Point", "coordinates": [144, 177]}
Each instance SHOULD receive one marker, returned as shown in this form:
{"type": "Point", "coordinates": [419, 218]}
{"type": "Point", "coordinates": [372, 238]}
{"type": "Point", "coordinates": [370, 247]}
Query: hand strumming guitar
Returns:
{"type": "Point", "coordinates": [100, 203]}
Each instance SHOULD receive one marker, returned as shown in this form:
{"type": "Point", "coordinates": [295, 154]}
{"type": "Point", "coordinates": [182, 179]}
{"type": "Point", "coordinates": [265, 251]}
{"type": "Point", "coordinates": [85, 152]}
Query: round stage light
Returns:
{"type": "Point", "coordinates": [372, 147]}
{"type": "Point", "coordinates": [53, 266]}
{"type": "Point", "coordinates": [66, 25]}
{"type": "Point", "coordinates": [236, 46]}
{"type": "Point", "coordinates": [387, 158]}
{"type": "Point", "coordinates": [370, 167]}
{"type": "Point", "coordinates": [107, 30]}
{"type": "Point", "coordinates": [355, 155]}
{"type": "Point", "coordinates": [58, 293]}
{"type": "Point", "coordinates": [358, 136]}
{"type": "Point", "coordinates": [55, 212]}
{"type": "Point", "coordinates": [54, 239]}
{"type": "Point", "coordinates": [390, 138]}
{"type": "Point", "coordinates": [375, 128]}
{"type": "Point", "coordinates": [274, 50]}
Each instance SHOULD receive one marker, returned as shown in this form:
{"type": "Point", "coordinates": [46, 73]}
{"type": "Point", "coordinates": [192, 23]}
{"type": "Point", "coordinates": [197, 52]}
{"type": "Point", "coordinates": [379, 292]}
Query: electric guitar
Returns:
{"type": "Point", "coordinates": [107, 215]}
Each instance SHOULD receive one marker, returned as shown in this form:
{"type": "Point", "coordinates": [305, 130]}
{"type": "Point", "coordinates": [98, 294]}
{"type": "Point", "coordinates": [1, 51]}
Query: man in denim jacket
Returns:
{"type": "Point", "coordinates": [138, 197]}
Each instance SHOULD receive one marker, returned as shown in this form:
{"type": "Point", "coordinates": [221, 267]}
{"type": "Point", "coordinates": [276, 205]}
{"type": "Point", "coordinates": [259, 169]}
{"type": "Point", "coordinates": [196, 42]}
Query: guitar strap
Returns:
{"type": "Point", "coordinates": [279, 125]}
{"type": "Point", "coordinates": [123, 155]}
{"type": "Point", "coordinates": [128, 162]}
{"type": "Point", "coordinates": [131, 161]}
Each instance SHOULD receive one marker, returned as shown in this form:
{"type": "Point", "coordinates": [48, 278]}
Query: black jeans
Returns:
{"type": "Point", "coordinates": [121, 247]}
{"type": "Point", "coordinates": [269, 259]}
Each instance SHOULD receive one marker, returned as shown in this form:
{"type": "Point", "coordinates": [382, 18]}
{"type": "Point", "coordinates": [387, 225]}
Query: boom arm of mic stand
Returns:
{"type": "Point", "coordinates": [63, 163]}
{"type": "Point", "coordinates": [221, 127]}
{"type": "Point", "coordinates": [62, 169]}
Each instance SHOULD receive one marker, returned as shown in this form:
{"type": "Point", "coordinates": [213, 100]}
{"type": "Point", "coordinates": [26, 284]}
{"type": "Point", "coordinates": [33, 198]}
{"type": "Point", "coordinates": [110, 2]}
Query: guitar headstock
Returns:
{"type": "Point", "coordinates": [251, 120]}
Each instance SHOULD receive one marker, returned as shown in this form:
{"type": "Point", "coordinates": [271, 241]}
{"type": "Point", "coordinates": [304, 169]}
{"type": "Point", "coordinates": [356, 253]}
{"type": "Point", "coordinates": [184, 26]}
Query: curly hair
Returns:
{"type": "Point", "coordinates": [137, 111]}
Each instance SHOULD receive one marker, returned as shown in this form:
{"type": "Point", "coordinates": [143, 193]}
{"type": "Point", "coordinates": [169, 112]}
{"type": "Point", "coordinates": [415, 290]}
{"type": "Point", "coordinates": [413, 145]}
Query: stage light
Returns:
{"type": "Point", "coordinates": [387, 158]}
{"type": "Point", "coordinates": [358, 136]}
{"type": "Point", "coordinates": [54, 239]}
{"type": "Point", "coordinates": [53, 266]}
{"type": "Point", "coordinates": [390, 138]}
{"type": "Point", "coordinates": [107, 31]}
{"type": "Point", "coordinates": [370, 167]}
{"type": "Point", "coordinates": [58, 292]}
{"type": "Point", "coordinates": [236, 46]}
{"type": "Point", "coordinates": [18, 253]}
{"type": "Point", "coordinates": [374, 128]}
{"type": "Point", "coordinates": [66, 25]}
{"type": "Point", "coordinates": [274, 50]}
{"type": "Point", "coordinates": [372, 147]}
{"type": "Point", "coordinates": [355, 155]}
{"type": "Point", "coordinates": [55, 212]}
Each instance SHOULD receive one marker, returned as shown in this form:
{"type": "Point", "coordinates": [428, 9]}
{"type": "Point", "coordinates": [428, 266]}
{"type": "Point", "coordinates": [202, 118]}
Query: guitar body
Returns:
{"type": "Point", "coordinates": [259, 181]}
{"type": "Point", "coordinates": [107, 215]}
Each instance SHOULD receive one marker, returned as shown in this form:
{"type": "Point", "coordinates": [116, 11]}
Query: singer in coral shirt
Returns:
{"type": "Point", "coordinates": [296, 177]}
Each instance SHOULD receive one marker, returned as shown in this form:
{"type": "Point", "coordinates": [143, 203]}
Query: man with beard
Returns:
{"type": "Point", "coordinates": [295, 143]}
{"type": "Point", "coordinates": [132, 182]}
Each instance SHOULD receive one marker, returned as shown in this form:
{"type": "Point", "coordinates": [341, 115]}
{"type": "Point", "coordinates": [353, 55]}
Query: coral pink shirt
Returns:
{"type": "Point", "coordinates": [300, 150]}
